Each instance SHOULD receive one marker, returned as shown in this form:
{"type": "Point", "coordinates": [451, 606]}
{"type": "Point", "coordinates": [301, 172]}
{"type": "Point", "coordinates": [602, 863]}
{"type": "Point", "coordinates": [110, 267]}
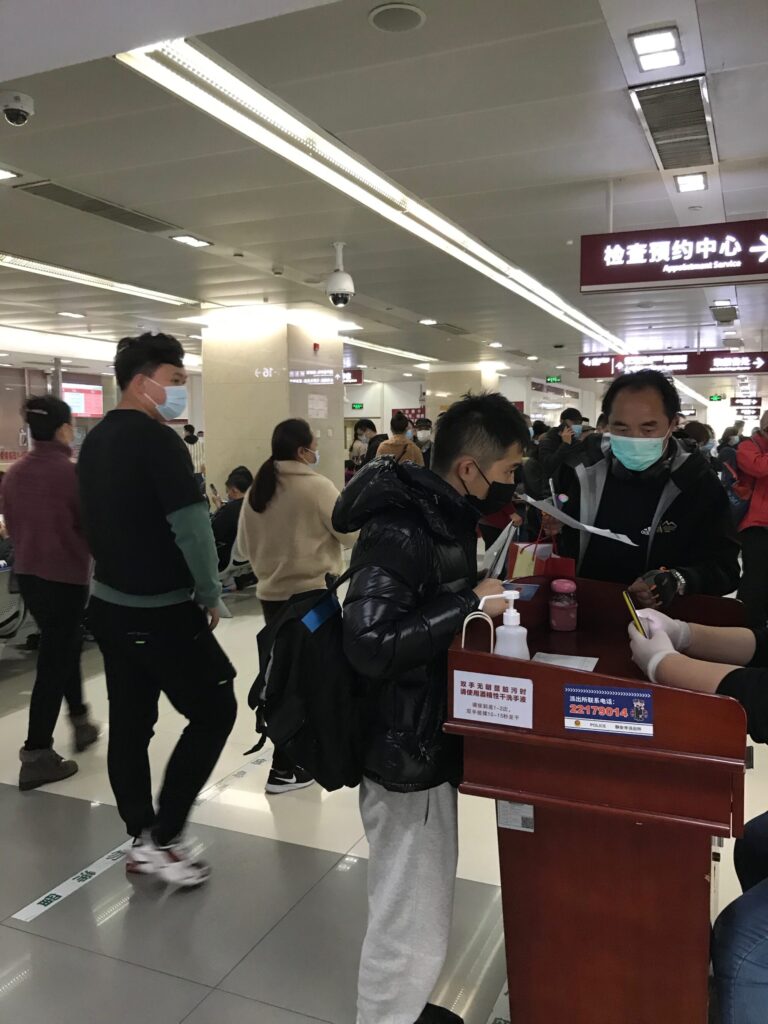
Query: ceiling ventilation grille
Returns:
{"type": "Point", "coordinates": [449, 329]}
{"type": "Point", "coordinates": [98, 207]}
{"type": "Point", "coordinates": [674, 117]}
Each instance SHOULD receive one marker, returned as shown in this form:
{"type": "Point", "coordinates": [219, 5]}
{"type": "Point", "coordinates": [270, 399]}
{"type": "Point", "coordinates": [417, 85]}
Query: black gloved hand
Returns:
{"type": "Point", "coordinates": [664, 585]}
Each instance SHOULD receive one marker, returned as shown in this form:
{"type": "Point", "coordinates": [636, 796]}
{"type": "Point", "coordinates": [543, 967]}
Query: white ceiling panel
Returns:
{"type": "Point", "coordinates": [509, 117]}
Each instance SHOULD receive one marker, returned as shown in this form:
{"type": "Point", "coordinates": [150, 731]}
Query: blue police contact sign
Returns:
{"type": "Point", "coordinates": [594, 709]}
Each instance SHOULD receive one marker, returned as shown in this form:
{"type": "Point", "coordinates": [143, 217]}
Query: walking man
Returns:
{"type": "Point", "coordinates": [156, 568]}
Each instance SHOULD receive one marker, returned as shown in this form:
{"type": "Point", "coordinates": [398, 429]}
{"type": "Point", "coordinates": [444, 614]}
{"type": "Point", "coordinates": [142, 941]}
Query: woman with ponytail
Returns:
{"type": "Point", "coordinates": [286, 532]}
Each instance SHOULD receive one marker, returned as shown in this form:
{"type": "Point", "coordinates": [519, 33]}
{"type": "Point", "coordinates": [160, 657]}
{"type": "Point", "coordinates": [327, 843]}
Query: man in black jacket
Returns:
{"type": "Point", "coordinates": [641, 482]}
{"type": "Point", "coordinates": [560, 443]}
{"type": "Point", "coordinates": [416, 583]}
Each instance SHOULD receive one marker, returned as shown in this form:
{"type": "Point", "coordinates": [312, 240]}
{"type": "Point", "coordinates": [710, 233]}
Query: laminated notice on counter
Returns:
{"type": "Point", "coordinates": [592, 709]}
{"type": "Point", "coordinates": [494, 700]}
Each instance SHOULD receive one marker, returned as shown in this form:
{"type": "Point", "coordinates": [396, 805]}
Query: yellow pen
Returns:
{"type": "Point", "coordinates": [633, 612]}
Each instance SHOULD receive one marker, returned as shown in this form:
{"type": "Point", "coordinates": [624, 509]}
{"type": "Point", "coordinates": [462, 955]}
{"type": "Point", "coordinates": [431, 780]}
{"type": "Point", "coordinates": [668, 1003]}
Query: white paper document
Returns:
{"type": "Point", "coordinates": [567, 661]}
{"type": "Point", "coordinates": [563, 517]}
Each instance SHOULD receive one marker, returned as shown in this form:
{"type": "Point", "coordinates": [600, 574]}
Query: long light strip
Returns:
{"type": "Point", "coordinates": [90, 280]}
{"type": "Point", "coordinates": [403, 209]}
{"type": "Point", "coordinates": [310, 144]}
{"type": "Point", "coordinates": [390, 351]}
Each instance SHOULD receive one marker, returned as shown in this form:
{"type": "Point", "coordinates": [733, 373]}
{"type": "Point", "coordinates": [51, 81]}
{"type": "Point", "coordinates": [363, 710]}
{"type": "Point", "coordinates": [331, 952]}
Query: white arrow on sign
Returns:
{"type": "Point", "coordinates": [761, 248]}
{"type": "Point", "coordinates": [758, 361]}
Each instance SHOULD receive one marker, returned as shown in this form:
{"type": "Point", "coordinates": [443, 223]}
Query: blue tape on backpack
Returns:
{"type": "Point", "coordinates": [320, 614]}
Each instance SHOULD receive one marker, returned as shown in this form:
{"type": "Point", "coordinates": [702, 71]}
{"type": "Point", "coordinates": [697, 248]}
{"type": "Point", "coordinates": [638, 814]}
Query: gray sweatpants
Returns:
{"type": "Point", "coordinates": [411, 875]}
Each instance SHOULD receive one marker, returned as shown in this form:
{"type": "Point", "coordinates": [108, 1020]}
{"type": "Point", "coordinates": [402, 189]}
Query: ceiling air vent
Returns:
{"type": "Point", "coordinates": [449, 329]}
{"type": "Point", "coordinates": [674, 118]}
{"type": "Point", "coordinates": [98, 207]}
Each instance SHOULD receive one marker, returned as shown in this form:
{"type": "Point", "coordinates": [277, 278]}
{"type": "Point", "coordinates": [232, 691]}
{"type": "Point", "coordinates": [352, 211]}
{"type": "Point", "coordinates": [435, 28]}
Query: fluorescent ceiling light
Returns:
{"type": "Point", "coordinates": [691, 182]}
{"type": "Point", "coordinates": [190, 240]}
{"type": "Point", "coordinates": [495, 344]}
{"type": "Point", "coordinates": [428, 323]}
{"type": "Point", "coordinates": [362, 366]}
{"type": "Point", "coordinates": [407, 374]}
{"type": "Point", "coordinates": [559, 367]}
{"type": "Point", "coordinates": [74, 316]}
{"type": "Point", "coordinates": [723, 303]}
{"type": "Point", "coordinates": [657, 41]}
{"type": "Point", "coordinates": [422, 366]}
{"type": "Point", "coordinates": [66, 360]}
{"type": "Point", "coordinates": [90, 280]}
{"type": "Point", "coordinates": [200, 77]}
{"type": "Point", "coordinates": [7, 175]}
{"type": "Point", "coordinates": [390, 351]}
{"type": "Point", "coordinates": [533, 359]}
{"type": "Point", "coordinates": [657, 61]}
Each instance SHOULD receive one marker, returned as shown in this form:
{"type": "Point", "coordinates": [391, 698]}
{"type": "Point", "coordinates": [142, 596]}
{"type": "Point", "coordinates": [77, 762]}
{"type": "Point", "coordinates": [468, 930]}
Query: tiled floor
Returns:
{"type": "Point", "coordinates": [265, 942]}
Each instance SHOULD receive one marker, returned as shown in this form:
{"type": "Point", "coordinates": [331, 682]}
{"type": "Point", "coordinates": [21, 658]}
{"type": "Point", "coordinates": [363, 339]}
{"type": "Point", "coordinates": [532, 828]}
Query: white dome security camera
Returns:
{"type": "Point", "coordinates": [17, 108]}
{"type": "Point", "coordinates": [340, 287]}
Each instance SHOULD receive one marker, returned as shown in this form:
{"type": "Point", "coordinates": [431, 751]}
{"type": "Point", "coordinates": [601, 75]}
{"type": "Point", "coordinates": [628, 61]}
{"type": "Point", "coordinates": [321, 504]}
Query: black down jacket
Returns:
{"type": "Point", "coordinates": [416, 562]}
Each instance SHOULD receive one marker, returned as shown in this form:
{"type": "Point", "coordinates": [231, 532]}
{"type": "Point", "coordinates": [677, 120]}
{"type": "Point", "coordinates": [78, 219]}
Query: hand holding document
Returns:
{"type": "Point", "coordinates": [557, 513]}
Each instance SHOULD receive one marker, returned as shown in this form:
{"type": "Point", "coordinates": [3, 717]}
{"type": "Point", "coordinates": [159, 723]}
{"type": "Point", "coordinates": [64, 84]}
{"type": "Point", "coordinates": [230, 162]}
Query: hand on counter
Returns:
{"type": "Point", "coordinates": [648, 654]}
{"type": "Point", "coordinates": [490, 589]}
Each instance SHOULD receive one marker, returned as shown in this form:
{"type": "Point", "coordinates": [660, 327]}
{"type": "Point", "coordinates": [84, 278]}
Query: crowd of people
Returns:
{"type": "Point", "coordinates": [128, 534]}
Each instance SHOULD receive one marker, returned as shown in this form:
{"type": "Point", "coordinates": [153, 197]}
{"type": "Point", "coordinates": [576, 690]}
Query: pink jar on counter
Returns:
{"type": "Point", "coordinates": [563, 606]}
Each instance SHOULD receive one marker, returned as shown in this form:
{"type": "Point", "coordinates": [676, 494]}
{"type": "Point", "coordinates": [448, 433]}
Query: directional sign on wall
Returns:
{"type": "Point", "coordinates": [679, 364]}
{"type": "Point", "coordinates": [700, 254]}
{"type": "Point", "coordinates": [747, 403]}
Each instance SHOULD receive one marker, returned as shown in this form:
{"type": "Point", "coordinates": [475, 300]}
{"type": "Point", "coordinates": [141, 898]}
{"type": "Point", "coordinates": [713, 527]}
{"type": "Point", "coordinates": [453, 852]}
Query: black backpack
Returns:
{"type": "Point", "coordinates": [308, 699]}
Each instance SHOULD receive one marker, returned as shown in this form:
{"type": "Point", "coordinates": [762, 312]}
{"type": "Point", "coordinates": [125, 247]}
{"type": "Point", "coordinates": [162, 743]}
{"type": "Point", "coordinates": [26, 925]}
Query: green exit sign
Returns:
{"type": "Point", "coordinates": [554, 380]}
{"type": "Point", "coordinates": [717, 398]}
{"type": "Point", "coordinates": [357, 406]}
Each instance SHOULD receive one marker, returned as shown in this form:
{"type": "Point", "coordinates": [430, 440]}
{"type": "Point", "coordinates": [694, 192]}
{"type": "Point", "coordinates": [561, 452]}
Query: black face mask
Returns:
{"type": "Point", "coordinates": [497, 498]}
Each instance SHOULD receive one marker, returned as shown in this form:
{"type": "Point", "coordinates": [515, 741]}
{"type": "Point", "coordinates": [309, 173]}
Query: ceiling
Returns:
{"type": "Point", "coordinates": [509, 118]}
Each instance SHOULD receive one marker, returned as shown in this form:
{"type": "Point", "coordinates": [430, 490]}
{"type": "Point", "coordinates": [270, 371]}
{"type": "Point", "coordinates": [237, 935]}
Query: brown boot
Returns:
{"type": "Point", "coordinates": [39, 767]}
{"type": "Point", "coordinates": [86, 731]}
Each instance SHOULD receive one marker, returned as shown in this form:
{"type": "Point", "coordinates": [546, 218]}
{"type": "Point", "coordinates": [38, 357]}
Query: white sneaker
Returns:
{"type": "Point", "coordinates": [137, 860]}
{"type": "Point", "coordinates": [177, 863]}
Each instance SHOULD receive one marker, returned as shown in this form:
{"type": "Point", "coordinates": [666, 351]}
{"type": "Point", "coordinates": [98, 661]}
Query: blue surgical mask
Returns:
{"type": "Point", "coordinates": [576, 428]}
{"type": "Point", "coordinates": [175, 402]}
{"type": "Point", "coordinates": [530, 431]}
{"type": "Point", "coordinates": [409, 434]}
{"type": "Point", "coordinates": [708, 447]}
{"type": "Point", "coordinates": [637, 453]}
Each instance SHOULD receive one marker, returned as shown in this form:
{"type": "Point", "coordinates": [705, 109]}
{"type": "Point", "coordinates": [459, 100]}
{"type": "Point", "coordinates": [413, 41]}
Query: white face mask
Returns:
{"type": "Point", "coordinates": [316, 453]}
{"type": "Point", "coordinates": [423, 436]}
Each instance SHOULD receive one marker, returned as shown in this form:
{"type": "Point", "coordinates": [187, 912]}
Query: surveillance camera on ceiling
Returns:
{"type": "Point", "coordinates": [17, 108]}
{"type": "Point", "coordinates": [340, 287]}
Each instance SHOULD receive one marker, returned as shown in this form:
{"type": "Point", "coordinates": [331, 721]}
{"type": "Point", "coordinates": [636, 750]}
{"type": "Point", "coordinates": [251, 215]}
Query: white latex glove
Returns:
{"type": "Point", "coordinates": [649, 654]}
{"type": "Point", "coordinates": [679, 632]}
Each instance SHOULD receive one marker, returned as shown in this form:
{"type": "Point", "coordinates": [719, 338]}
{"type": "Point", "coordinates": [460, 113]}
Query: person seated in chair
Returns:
{"type": "Point", "coordinates": [224, 521]}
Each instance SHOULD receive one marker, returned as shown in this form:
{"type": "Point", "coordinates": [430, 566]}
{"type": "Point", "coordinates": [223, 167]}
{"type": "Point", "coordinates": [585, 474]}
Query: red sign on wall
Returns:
{"type": "Point", "coordinates": [353, 376]}
{"type": "Point", "coordinates": [731, 251]}
{"type": "Point", "coordinates": [679, 364]}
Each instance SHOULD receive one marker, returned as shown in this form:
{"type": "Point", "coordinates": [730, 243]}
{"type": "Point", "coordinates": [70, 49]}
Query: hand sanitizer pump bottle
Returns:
{"type": "Point", "coordinates": [511, 637]}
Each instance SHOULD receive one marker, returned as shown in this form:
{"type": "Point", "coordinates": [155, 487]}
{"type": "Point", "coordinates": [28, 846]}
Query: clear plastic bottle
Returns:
{"type": "Point", "coordinates": [511, 637]}
{"type": "Point", "coordinates": [563, 606]}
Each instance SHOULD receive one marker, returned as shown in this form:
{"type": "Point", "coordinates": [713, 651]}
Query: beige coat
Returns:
{"type": "Point", "coordinates": [403, 450]}
{"type": "Point", "coordinates": [291, 545]}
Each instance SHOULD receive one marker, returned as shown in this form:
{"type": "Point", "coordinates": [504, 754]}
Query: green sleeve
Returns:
{"type": "Point", "coordinates": [191, 527]}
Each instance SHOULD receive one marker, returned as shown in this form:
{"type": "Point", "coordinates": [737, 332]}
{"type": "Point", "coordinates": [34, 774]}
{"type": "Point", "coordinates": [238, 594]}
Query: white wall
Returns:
{"type": "Point", "coordinates": [380, 399]}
